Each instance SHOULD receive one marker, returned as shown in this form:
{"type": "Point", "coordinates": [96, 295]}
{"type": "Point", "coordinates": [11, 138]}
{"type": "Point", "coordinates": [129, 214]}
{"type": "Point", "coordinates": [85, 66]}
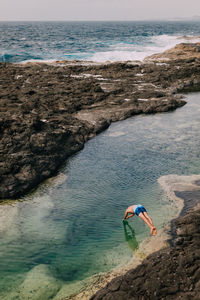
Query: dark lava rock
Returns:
{"type": "Point", "coordinates": [171, 273]}
{"type": "Point", "coordinates": [48, 111]}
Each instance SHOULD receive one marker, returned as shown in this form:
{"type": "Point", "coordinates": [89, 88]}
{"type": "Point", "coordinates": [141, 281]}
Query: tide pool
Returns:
{"type": "Point", "coordinates": [71, 227]}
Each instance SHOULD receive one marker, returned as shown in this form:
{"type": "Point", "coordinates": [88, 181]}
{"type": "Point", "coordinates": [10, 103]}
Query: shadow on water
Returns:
{"type": "Point", "coordinates": [129, 235]}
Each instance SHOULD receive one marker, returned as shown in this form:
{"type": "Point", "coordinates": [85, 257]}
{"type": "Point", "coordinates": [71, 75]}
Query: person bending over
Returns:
{"type": "Point", "coordinates": [141, 212]}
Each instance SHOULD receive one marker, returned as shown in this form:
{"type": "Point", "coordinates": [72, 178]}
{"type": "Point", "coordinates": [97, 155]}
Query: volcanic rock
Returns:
{"type": "Point", "coordinates": [48, 111]}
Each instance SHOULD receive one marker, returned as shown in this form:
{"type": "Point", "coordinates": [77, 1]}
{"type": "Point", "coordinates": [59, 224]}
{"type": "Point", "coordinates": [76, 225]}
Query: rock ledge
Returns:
{"type": "Point", "coordinates": [48, 111]}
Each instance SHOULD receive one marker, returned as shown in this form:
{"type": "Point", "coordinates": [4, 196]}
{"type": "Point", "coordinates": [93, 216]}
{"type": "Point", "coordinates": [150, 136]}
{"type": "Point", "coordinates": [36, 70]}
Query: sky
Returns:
{"type": "Point", "coordinates": [93, 10]}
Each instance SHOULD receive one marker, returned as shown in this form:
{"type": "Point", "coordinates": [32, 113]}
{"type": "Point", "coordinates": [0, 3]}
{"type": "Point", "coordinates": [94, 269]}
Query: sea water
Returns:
{"type": "Point", "coordinates": [96, 41]}
{"type": "Point", "coordinates": [73, 226]}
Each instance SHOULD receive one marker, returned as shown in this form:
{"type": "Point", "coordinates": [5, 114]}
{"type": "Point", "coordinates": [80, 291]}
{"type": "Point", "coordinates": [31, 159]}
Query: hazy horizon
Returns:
{"type": "Point", "coordinates": [99, 10]}
{"type": "Point", "coordinates": [142, 20]}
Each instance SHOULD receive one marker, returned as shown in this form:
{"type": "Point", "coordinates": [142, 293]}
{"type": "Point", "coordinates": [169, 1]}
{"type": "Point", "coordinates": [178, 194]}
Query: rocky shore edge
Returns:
{"type": "Point", "coordinates": [172, 272]}
{"type": "Point", "coordinates": [48, 111]}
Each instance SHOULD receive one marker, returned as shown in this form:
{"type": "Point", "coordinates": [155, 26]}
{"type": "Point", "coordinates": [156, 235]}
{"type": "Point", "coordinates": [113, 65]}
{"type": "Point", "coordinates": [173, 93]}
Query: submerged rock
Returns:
{"type": "Point", "coordinates": [39, 284]}
{"type": "Point", "coordinates": [48, 111]}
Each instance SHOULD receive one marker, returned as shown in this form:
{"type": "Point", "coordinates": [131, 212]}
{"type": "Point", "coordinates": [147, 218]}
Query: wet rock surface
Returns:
{"type": "Point", "coordinates": [48, 111]}
{"type": "Point", "coordinates": [171, 273]}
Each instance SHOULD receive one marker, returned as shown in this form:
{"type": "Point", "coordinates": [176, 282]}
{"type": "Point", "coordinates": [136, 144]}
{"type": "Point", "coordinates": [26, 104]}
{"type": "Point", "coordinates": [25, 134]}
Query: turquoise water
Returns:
{"type": "Point", "coordinates": [73, 225]}
{"type": "Point", "coordinates": [96, 41]}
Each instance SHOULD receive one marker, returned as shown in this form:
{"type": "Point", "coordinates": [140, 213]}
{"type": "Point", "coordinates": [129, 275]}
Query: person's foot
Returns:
{"type": "Point", "coordinates": [152, 229]}
{"type": "Point", "coordinates": [155, 230]}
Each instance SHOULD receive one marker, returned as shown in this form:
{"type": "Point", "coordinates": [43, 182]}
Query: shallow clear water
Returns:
{"type": "Point", "coordinates": [75, 226]}
{"type": "Point", "coordinates": [97, 41]}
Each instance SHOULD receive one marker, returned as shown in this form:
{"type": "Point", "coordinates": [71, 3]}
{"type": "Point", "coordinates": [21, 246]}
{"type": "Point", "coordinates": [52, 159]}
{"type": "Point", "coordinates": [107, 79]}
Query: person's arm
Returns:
{"type": "Point", "coordinates": [126, 215]}
{"type": "Point", "coordinates": [131, 215]}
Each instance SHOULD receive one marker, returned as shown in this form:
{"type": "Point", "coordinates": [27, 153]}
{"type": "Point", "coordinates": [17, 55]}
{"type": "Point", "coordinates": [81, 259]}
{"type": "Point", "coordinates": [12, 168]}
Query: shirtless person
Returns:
{"type": "Point", "coordinates": [141, 212]}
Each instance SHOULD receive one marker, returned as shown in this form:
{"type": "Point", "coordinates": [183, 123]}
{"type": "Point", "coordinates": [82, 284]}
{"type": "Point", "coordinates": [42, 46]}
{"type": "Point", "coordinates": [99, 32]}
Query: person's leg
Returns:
{"type": "Point", "coordinates": [148, 218]}
{"type": "Point", "coordinates": [141, 215]}
{"type": "Point", "coordinates": [150, 221]}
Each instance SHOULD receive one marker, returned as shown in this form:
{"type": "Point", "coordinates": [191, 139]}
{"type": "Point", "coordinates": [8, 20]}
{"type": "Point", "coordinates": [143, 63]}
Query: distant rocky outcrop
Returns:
{"type": "Point", "coordinates": [48, 111]}
{"type": "Point", "coordinates": [181, 51]}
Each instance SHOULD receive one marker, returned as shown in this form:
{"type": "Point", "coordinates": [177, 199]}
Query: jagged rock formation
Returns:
{"type": "Point", "coordinates": [48, 111]}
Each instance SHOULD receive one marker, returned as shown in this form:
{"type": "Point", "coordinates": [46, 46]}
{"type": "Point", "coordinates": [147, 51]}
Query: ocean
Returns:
{"type": "Point", "coordinates": [94, 41]}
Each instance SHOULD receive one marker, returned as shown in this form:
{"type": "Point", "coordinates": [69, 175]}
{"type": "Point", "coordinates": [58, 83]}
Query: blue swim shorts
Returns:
{"type": "Point", "coordinates": [139, 209]}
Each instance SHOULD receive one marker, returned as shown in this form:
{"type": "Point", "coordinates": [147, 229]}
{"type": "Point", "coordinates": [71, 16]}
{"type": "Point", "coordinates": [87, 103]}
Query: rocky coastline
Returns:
{"type": "Point", "coordinates": [48, 111]}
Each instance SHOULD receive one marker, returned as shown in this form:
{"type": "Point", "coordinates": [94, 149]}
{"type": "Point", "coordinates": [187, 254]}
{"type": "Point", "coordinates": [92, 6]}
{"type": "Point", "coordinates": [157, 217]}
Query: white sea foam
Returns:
{"type": "Point", "coordinates": [48, 61]}
{"type": "Point", "coordinates": [124, 51]}
{"type": "Point", "coordinates": [155, 44]}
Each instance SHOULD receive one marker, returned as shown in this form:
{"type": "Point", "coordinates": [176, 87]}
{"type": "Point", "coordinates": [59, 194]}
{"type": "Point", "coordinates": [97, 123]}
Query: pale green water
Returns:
{"type": "Point", "coordinates": [75, 228]}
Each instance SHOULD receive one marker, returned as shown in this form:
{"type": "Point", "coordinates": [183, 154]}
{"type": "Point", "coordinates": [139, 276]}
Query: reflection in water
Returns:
{"type": "Point", "coordinates": [129, 234]}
